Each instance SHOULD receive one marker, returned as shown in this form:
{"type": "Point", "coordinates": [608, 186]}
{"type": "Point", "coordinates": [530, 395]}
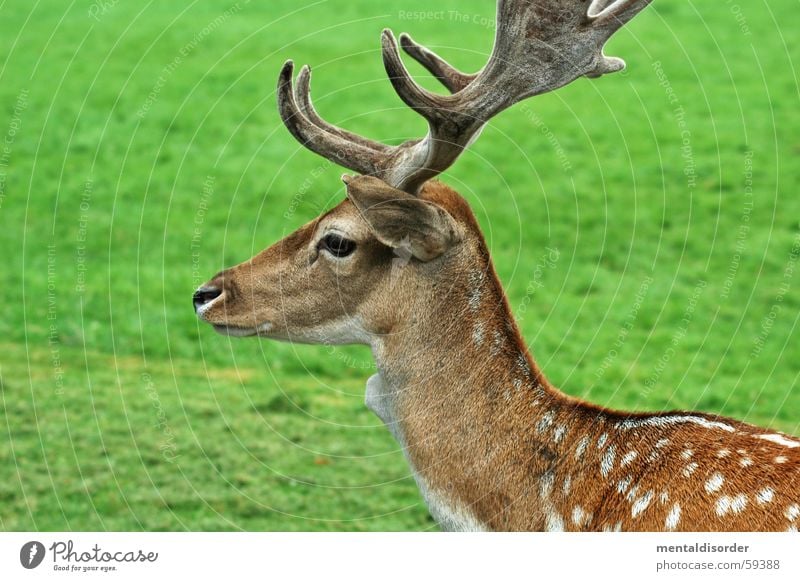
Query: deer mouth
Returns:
{"type": "Point", "coordinates": [237, 331]}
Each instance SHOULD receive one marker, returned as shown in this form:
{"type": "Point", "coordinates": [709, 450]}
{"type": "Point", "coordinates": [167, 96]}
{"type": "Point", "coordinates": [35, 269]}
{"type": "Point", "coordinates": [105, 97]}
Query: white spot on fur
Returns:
{"type": "Point", "coordinates": [662, 442]}
{"type": "Point", "coordinates": [664, 497]}
{"type": "Point", "coordinates": [745, 462]}
{"type": "Point", "coordinates": [554, 522]}
{"type": "Point", "coordinates": [673, 517]}
{"type": "Point", "coordinates": [765, 495]}
{"type": "Point", "coordinates": [602, 441]}
{"type": "Point", "coordinates": [522, 363]}
{"type": "Point", "coordinates": [623, 484]}
{"type": "Point", "coordinates": [689, 469]}
{"type": "Point", "coordinates": [641, 504]}
{"type": "Point", "coordinates": [474, 300]}
{"type": "Point", "coordinates": [497, 343]}
{"type": "Point", "coordinates": [739, 503]}
{"type": "Point", "coordinates": [628, 458]}
{"type": "Point", "coordinates": [546, 484]}
{"type": "Point", "coordinates": [714, 483]}
{"type": "Point", "coordinates": [780, 439]}
{"type": "Point", "coordinates": [632, 493]}
{"type": "Point", "coordinates": [723, 505]}
{"type": "Point", "coordinates": [567, 484]}
{"type": "Point", "coordinates": [792, 512]}
{"type": "Point", "coordinates": [546, 421]}
{"type": "Point", "coordinates": [559, 432]}
{"type": "Point", "coordinates": [686, 454]}
{"type": "Point", "coordinates": [607, 463]}
{"type": "Point", "coordinates": [780, 460]}
{"type": "Point", "coordinates": [478, 333]}
{"type": "Point", "coordinates": [724, 453]}
{"type": "Point", "coordinates": [578, 516]}
{"type": "Point", "coordinates": [613, 529]}
{"type": "Point", "coordinates": [581, 447]}
{"type": "Point", "coordinates": [662, 421]}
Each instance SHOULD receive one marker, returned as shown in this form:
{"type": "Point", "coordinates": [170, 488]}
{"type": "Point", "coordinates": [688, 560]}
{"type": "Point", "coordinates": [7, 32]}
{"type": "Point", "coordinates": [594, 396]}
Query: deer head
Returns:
{"type": "Point", "coordinates": [397, 233]}
{"type": "Point", "coordinates": [346, 276]}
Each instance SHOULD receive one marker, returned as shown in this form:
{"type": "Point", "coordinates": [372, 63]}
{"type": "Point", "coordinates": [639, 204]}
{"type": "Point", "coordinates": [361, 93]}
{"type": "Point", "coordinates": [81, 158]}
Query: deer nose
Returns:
{"type": "Point", "coordinates": [204, 295]}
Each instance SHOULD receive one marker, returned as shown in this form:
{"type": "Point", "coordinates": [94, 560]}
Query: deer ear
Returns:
{"type": "Point", "coordinates": [400, 220]}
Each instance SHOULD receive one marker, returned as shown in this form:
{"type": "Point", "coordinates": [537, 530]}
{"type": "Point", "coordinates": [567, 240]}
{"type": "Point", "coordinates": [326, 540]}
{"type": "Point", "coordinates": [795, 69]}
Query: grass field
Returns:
{"type": "Point", "coordinates": [646, 226]}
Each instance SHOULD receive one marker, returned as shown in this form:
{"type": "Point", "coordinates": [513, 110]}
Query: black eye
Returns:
{"type": "Point", "coordinates": [336, 245]}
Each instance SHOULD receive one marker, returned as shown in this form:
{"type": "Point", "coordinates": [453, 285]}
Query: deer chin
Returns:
{"type": "Point", "coordinates": [261, 330]}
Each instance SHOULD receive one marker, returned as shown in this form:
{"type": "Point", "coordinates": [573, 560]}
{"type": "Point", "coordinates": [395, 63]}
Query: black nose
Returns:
{"type": "Point", "coordinates": [204, 295]}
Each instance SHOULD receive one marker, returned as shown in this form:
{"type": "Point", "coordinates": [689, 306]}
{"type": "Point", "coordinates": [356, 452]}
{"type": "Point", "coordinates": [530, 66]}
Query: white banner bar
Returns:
{"type": "Point", "coordinates": [401, 556]}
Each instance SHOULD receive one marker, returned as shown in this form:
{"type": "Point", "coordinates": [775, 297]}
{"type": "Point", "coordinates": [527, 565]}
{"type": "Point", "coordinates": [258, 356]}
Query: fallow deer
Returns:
{"type": "Point", "coordinates": [492, 445]}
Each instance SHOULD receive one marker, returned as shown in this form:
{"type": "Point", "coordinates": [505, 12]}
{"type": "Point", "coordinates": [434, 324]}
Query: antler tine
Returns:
{"type": "Point", "coordinates": [616, 12]}
{"type": "Point", "coordinates": [302, 95]}
{"type": "Point", "coordinates": [453, 79]}
{"type": "Point", "coordinates": [427, 104]}
{"type": "Point", "coordinates": [332, 146]}
{"type": "Point", "coordinates": [612, 15]}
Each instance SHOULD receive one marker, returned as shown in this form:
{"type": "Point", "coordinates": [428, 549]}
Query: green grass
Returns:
{"type": "Point", "coordinates": [119, 411]}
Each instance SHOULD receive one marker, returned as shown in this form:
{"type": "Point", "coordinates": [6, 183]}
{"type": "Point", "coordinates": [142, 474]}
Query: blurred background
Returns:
{"type": "Point", "coordinates": [646, 226]}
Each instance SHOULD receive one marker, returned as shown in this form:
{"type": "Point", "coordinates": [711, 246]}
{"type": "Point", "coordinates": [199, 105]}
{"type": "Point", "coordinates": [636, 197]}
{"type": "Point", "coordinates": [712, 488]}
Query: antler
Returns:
{"type": "Point", "coordinates": [539, 46]}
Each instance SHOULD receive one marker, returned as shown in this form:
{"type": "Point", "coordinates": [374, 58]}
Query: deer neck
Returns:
{"type": "Point", "coordinates": [465, 345]}
{"type": "Point", "coordinates": [459, 391]}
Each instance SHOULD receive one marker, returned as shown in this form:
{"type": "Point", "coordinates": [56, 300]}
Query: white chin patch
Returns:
{"type": "Point", "coordinates": [264, 328]}
{"type": "Point", "coordinates": [243, 331]}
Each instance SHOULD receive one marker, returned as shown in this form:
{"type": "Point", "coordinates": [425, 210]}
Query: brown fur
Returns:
{"type": "Point", "coordinates": [481, 423]}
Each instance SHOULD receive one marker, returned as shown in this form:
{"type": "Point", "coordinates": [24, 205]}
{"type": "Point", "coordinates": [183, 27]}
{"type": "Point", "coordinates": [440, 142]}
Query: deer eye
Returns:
{"type": "Point", "coordinates": [336, 245]}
